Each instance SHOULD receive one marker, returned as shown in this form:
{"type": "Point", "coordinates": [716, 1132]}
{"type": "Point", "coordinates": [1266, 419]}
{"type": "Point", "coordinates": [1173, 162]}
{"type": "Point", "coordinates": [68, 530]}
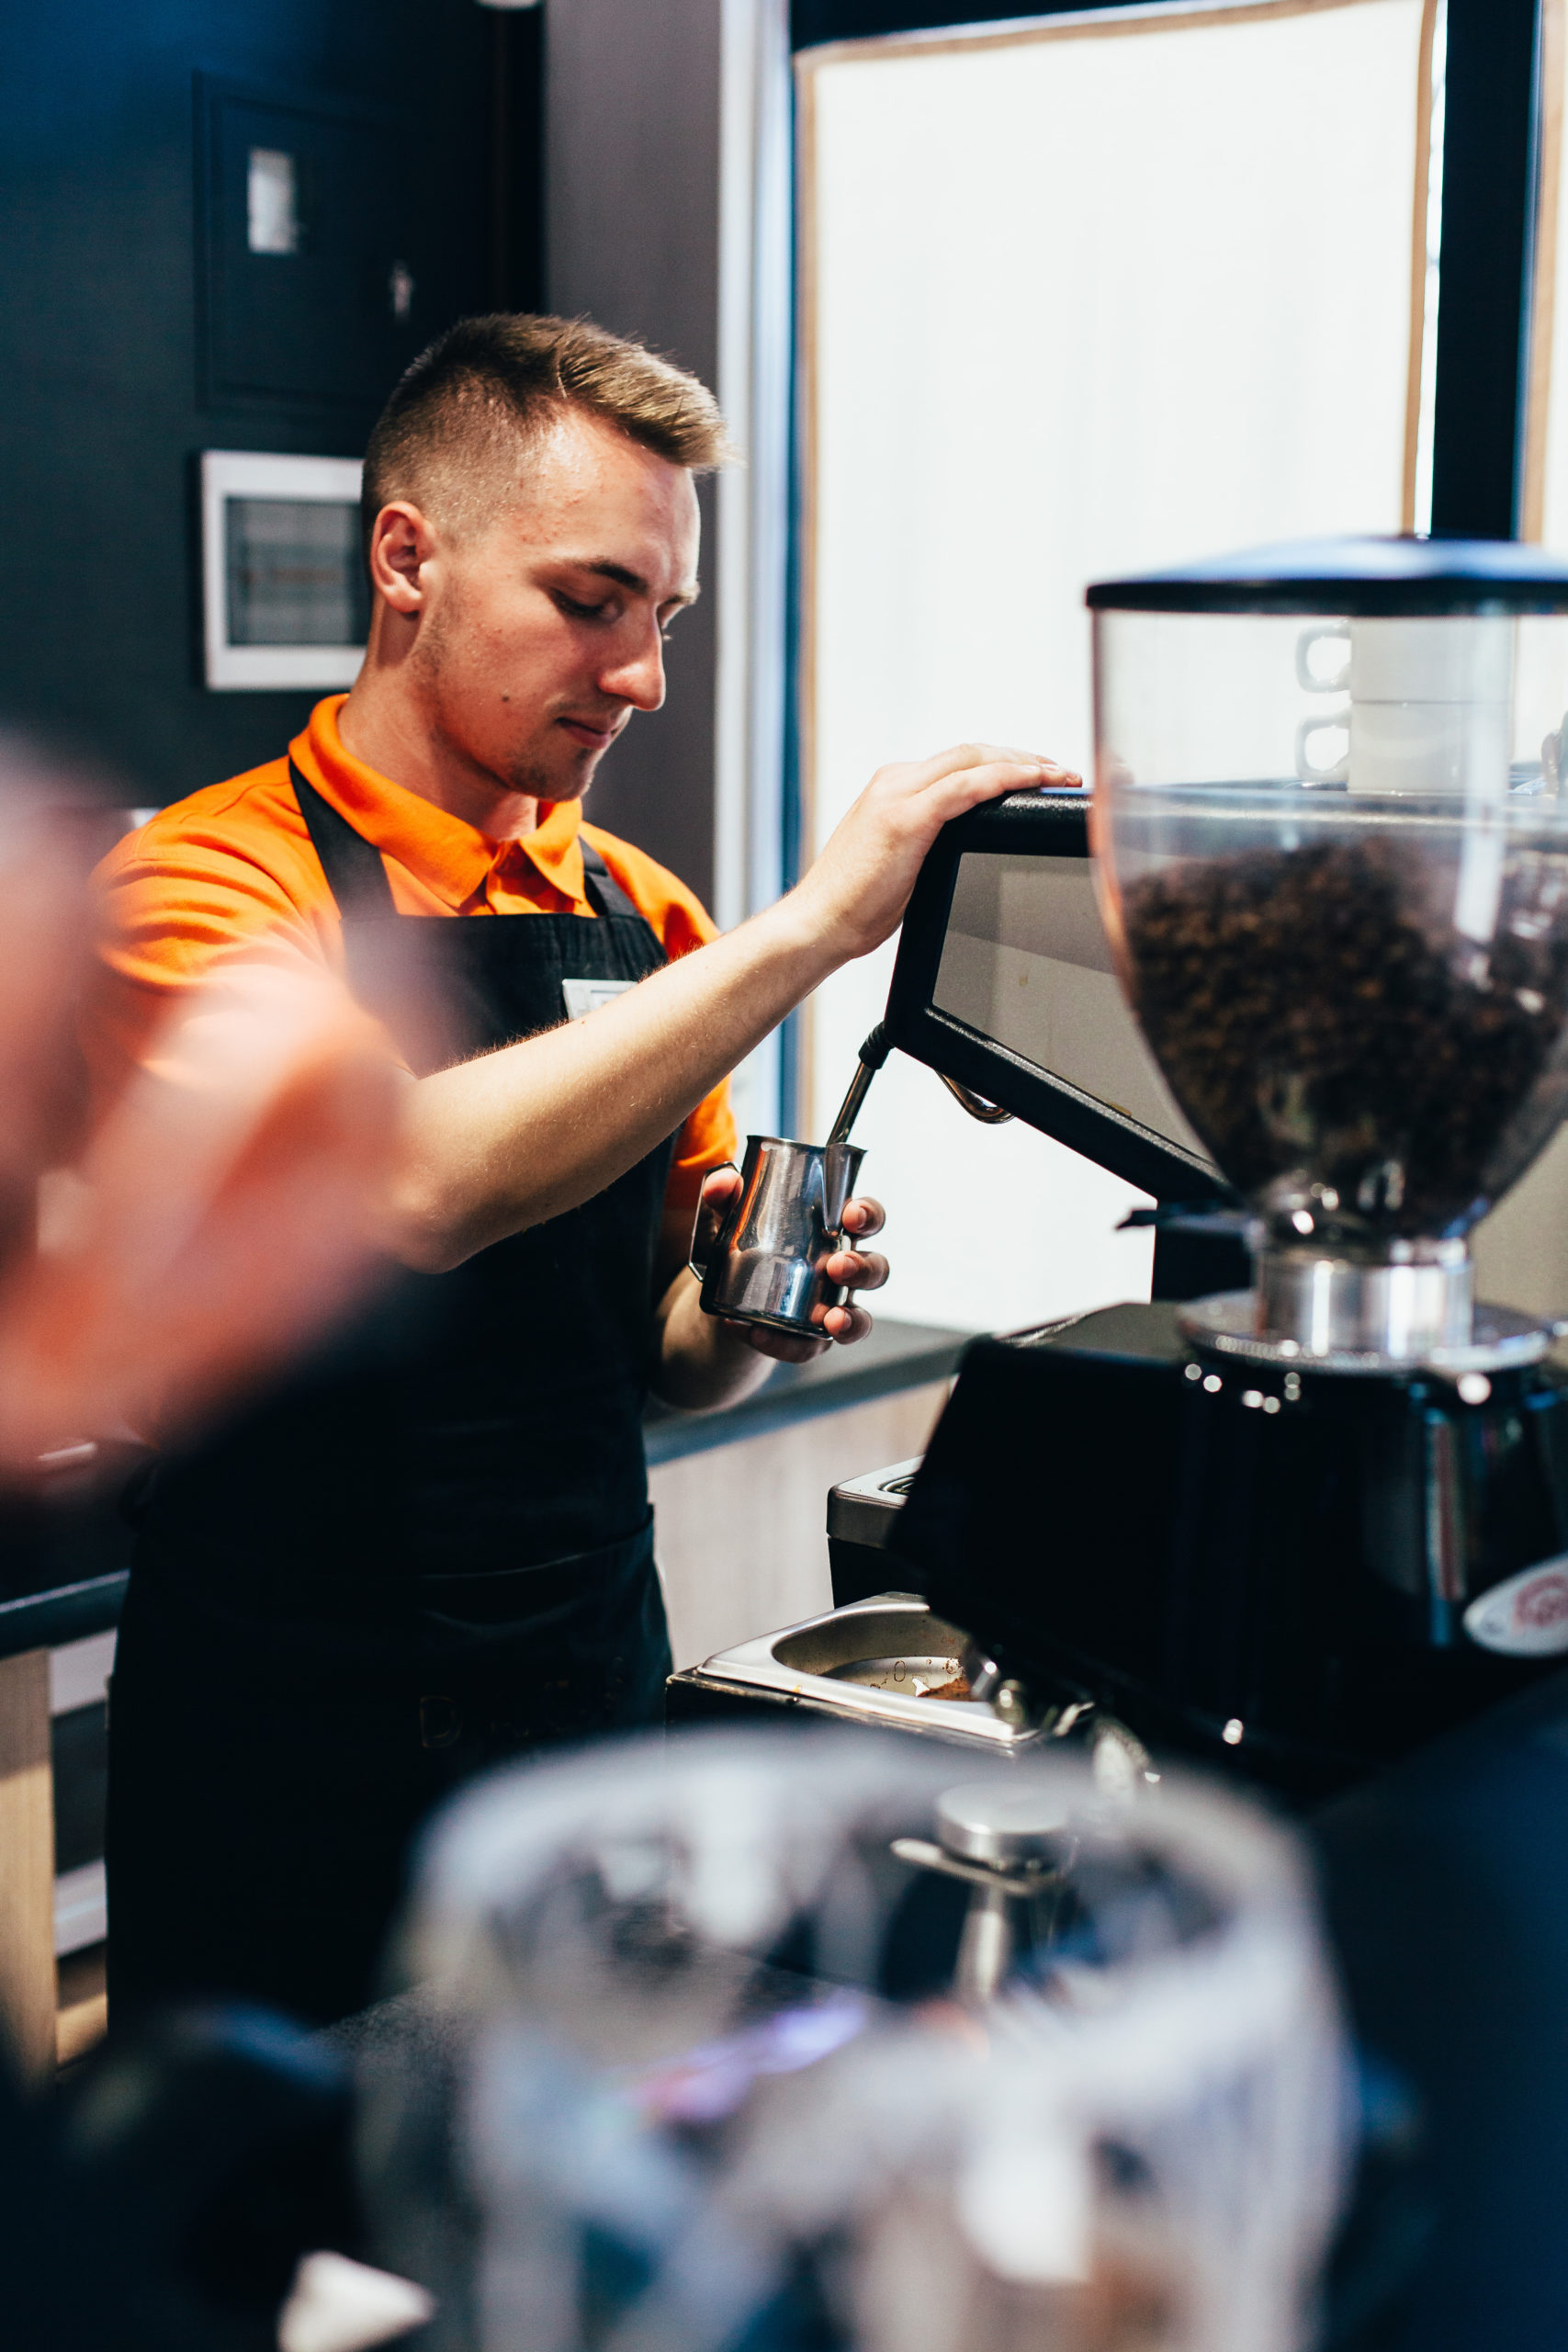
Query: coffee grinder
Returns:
{"type": "Point", "coordinates": [1296, 1528]}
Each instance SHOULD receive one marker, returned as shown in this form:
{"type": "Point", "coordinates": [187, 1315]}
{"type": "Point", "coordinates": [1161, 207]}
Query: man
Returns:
{"type": "Point", "coordinates": [434, 1548]}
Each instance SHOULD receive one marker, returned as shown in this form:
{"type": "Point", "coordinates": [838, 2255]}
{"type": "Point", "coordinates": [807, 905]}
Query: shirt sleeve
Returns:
{"type": "Point", "coordinates": [708, 1137]}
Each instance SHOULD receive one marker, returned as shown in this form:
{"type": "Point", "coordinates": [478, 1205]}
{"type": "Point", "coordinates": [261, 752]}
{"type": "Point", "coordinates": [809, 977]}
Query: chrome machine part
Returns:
{"type": "Point", "coordinates": [875, 1662]}
{"type": "Point", "coordinates": [1421, 1296]}
{"type": "Point", "coordinates": [981, 1672]}
{"type": "Point", "coordinates": [865, 1510]}
{"type": "Point", "coordinates": [982, 1823]}
{"type": "Point", "coordinates": [862, 1516]}
{"type": "Point", "coordinates": [1011, 1846]}
{"type": "Point", "coordinates": [1339, 1315]}
{"type": "Point", "coordinates": [990, 1115]}
{"type": "Point", "coordinates": [872, 1053]}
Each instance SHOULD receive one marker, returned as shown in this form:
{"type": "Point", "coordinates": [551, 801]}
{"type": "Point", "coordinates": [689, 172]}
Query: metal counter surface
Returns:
{"type": "Point", "coordinates": [892, 1356]}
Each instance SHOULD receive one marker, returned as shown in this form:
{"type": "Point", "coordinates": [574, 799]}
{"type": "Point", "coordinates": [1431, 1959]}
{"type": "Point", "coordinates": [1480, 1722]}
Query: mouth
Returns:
{"type": "Point", "coordinates": [590, 737]}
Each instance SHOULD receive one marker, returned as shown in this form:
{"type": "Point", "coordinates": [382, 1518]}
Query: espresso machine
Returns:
{"type": "Point", "coordinates": [1299, 969]}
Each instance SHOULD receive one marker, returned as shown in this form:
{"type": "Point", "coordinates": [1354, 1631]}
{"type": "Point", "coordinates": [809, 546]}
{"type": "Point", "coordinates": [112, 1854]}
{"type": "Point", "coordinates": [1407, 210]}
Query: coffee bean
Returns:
{"type": "Point", "coordinates": [1321, 1021]}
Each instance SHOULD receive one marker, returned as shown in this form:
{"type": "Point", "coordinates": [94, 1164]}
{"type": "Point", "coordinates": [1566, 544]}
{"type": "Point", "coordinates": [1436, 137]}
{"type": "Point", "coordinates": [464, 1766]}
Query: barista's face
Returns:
{"type": "Point", "coordinates": [540, 634]}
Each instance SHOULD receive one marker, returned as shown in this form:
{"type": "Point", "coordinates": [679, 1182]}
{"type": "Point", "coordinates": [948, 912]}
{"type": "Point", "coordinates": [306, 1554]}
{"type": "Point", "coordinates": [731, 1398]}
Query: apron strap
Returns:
{"type": "Point", "coordinates": [356, 874]}
{"type": "Point", "coordinates": [358, 878]}
{"type": "Point", "coordinates": [604, 893]}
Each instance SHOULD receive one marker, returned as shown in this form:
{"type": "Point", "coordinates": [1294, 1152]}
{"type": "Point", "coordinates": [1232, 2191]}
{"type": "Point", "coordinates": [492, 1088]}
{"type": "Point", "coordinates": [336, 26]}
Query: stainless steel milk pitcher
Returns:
{"type": "Point", "coordinates": [762, 1261]}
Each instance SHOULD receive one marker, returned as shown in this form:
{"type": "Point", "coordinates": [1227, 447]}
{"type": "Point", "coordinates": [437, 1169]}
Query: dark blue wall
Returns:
{"type": "Point", "coordinates": [102, 415]}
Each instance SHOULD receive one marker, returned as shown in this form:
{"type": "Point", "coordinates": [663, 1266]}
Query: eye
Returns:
{"type": "Point", "coordinates": [580, 612]}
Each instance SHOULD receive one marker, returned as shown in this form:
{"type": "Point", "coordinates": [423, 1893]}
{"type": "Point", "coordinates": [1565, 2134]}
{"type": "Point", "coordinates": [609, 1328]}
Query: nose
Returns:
{"type": "Point", "coordinates": [636, 671]}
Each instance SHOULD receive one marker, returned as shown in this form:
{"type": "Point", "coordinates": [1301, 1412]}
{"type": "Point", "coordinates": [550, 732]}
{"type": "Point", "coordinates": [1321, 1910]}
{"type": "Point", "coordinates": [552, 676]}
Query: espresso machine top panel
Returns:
{"type": "Point", "coordinates": [1004, 981]}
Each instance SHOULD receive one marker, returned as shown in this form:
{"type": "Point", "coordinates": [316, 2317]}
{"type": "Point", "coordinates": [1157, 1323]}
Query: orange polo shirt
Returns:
{"type": "Point", "coordinates": [232, 870]}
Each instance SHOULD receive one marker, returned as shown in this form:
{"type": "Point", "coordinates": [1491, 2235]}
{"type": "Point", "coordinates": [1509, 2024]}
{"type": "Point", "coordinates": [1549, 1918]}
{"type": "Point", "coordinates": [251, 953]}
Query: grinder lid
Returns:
{"type": "Point", "coordinates": [1392, 574]}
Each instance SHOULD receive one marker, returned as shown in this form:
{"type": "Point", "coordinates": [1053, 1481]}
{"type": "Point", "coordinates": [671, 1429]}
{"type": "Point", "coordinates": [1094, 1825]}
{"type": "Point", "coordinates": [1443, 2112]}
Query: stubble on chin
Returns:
{"type": "Point", "coordinates": [569, 781]}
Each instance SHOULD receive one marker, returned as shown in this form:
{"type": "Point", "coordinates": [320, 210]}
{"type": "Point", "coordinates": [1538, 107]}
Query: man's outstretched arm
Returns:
{"type": "Point", "coordinates": [515, 1137]}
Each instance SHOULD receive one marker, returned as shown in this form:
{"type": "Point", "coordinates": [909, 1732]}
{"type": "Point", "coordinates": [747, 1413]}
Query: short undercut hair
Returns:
{"type": "Point", "coordinates": [458, 425]}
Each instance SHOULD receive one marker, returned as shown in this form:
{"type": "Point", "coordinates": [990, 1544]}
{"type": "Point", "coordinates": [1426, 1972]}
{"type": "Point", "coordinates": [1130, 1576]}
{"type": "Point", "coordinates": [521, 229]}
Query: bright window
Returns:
{"type": "Point", "coordinates": [1077, 300]}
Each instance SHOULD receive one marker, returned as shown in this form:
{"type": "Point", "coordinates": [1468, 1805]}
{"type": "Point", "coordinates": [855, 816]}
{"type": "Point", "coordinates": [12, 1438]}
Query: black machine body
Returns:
{"type": "Point", "coordinates": [1301, 1575]}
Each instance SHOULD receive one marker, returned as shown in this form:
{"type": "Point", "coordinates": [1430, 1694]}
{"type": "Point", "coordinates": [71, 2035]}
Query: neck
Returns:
{"type": "Point", "coordinates": [387, 725]}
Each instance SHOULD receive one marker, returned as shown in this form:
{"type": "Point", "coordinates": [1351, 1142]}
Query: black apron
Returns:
{"type": "Point", "coordinates": [432, 1550]}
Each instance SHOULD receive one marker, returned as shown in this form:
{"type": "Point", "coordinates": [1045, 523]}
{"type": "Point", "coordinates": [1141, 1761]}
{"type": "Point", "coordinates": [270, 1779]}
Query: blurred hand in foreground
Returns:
{"type": "Point", "coordinates": [220, 1219]}
{"type": "Point", "coordinates": [224, 1213]}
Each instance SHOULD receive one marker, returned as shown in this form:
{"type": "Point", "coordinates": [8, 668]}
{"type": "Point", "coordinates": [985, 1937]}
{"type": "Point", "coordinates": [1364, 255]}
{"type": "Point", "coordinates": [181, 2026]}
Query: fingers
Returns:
{"type": "Point", "coordinates": [857, 1269]}
{"type": "Point", "coordinates": [719, 1187]}
{"type": "Point", "coordinates": [968, 762]}
{"type": "Point", "coordinates": [961, 756]}
{"type": "Point", "coordinates": [783, 1347]}
{"type": "Point", "coordinates": [841, 1326]}
{"type": "Point", "coordinates": [952, 794]}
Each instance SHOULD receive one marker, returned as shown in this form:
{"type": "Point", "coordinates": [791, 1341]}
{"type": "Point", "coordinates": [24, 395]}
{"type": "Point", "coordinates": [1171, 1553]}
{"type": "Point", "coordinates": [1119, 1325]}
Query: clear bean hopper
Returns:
{"type": "Point", "coordinates": [1333, 862]}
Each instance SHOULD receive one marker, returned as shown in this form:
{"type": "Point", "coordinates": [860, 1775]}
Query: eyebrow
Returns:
{"type": "Point", "coordinates": [624, 577]}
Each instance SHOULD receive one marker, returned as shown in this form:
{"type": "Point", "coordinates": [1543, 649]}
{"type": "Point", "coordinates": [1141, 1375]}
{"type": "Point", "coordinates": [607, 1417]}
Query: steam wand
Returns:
{"type": "Point", "coordinates": [872, 1053]}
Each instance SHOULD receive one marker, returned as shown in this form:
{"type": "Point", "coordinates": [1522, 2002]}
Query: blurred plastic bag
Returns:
{"type": "Point", "coordinates": [660, 2097]}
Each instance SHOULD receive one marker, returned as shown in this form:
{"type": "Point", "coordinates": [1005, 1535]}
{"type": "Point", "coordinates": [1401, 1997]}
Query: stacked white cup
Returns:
{"type": "Point", "coordinates": [1430, 705]}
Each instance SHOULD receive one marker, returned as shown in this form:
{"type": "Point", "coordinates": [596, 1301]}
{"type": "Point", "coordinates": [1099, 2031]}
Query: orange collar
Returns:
{"type": "Point", "coordinates": [450, 858]}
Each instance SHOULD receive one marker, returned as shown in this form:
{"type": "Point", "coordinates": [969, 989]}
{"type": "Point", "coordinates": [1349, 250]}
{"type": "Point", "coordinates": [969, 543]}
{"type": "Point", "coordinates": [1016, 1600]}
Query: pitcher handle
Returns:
{"type": "Point", "coordinates": [709, 1233]}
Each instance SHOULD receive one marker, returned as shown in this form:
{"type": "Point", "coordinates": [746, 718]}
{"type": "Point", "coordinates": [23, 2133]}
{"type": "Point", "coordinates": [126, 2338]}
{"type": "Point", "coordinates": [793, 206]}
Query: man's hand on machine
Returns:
{"type": "Point", "coordinates": [856, 891]}
{"type": "Point", "coordinates": [852, 1269]}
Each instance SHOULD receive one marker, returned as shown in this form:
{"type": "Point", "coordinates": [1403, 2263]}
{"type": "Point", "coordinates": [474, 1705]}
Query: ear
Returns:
{"type": "Point", "coordinates": [402, 541]}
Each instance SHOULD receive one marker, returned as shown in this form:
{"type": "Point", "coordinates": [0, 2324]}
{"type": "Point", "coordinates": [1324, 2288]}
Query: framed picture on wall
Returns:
{"type": "Point", "coordinates": [285, 599]}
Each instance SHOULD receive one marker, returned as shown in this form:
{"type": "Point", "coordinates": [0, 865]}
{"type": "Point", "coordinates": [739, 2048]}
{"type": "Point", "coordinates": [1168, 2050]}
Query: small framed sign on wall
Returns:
{"type": "Point", "coordinates": [284, 598]}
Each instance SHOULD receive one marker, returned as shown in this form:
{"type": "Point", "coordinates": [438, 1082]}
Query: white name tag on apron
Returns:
{"type": "Point", "coordinates": [583, 997]}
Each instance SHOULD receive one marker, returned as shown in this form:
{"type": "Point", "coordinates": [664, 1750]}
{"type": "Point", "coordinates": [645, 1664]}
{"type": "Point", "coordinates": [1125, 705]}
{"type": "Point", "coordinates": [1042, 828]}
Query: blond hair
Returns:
{"type": "Point", "coordinates": [455, 431]}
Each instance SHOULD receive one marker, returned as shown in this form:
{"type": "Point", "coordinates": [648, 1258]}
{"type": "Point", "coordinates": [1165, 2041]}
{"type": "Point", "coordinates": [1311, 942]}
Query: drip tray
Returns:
{"type": "Point", "coordinates": [913, 1678]}
{"type": "Point", "coordinates": [886, 1661]}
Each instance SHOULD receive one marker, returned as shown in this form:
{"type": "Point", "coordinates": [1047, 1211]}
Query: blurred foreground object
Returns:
{"type": "Point", "coordinates": [697, 2078]}
{"type": "Point", "coordinates": [54, 826]}
{"type": "Point", "coordinates": [200, 2156]}
{"type": "Point", "coordinates": [221, 1218]}
{"type": "Point", "coordinates": [222, 1214]}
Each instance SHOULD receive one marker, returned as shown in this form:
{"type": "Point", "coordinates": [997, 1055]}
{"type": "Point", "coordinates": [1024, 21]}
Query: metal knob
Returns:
{"type": "Point", "coordinates": [982, 1821]}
